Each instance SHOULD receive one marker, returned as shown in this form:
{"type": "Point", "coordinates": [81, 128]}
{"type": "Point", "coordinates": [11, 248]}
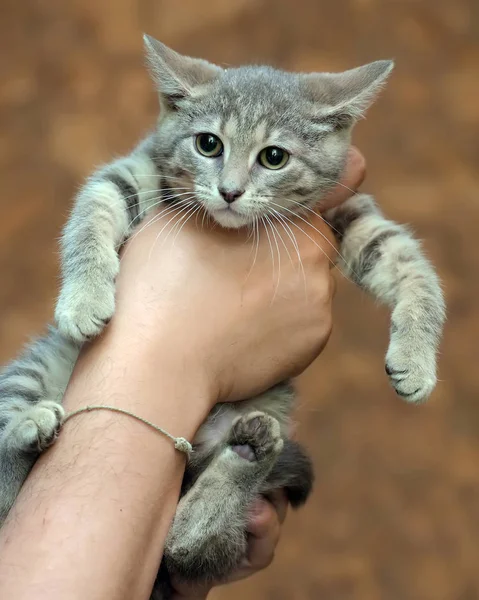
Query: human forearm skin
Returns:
{"type": "Point", "coordinates": [92, 517]}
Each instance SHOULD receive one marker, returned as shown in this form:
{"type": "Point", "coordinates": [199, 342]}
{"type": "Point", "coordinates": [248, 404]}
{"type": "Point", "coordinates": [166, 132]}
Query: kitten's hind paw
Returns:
{"type": "Point", "coordinates": [256, 437]}
{"type": "Point", "coordinates": [35, 429]}
{"type": "Point", "coordinates": [412, 374]}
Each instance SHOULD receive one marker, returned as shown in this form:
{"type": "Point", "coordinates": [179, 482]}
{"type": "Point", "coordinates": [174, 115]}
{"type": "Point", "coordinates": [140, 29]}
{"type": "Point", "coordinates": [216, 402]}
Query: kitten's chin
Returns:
{"type": "Point", "coordinates": [230, 219]}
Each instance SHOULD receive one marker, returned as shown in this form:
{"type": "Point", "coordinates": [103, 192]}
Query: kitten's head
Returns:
{"type": "Point", "coordinates": [250, 141]}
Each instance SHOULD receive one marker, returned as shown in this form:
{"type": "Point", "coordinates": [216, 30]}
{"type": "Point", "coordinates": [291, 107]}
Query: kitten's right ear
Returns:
{"type": "Point", "coordinates": [177, 76]}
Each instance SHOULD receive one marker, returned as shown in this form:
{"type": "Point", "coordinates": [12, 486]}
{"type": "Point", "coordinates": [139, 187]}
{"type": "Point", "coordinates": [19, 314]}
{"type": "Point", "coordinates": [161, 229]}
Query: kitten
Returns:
{"type": "Point", "coordinates": [243, 144]}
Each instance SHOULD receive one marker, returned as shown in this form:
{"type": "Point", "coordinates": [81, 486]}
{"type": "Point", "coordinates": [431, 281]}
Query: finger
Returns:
{"type": "Point", "coordinates": [333, 287]}
{"type": "Point", "coordinates": [261, 516]}
{"type": "Point", "coordinates": [188, 591]}
{"type": "Point", "coordinates": [313, 232]}
{"type": "Point", "coordinates": [318, 230]}
{"type": "Point", "coordinates": [279, 500]}
{"type": "Point", "coordinates": [326, 324]}
{"type": "Point", "coordinates": [264, 528]}
{"type": "Point", "coordinates": [352, 178]}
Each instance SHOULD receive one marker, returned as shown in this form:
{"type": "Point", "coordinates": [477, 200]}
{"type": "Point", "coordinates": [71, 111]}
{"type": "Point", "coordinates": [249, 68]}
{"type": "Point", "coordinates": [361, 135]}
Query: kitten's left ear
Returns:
{"type": "Point", "coordinates": [177, 76]}
{"type": "Point", "coordinates": [344, 97]}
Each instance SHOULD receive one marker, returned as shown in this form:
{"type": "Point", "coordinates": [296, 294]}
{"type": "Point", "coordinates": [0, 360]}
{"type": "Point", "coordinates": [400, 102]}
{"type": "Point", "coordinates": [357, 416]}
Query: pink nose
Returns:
{"type": "Point", "coordinates": [230, 196]}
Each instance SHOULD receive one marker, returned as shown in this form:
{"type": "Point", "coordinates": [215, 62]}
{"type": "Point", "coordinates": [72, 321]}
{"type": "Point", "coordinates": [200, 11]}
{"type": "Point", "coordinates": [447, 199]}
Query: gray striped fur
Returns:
{"type": "Point", "coordinates": [384, 259]}
{"type": "Point", "coordinates": [31, 391]}
{"type": "Point", "coordinates": [248, 108]}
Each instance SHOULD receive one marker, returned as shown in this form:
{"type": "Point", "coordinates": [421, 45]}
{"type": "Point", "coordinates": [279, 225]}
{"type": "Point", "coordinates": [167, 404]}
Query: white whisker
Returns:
{"type": "Point", "coordinates": [139, 192]}
{"type": "Point", "coordinates": [292, 237]}
{"type": "Point", "coordinates": [157, 217]}
{"type": "Point", "coordinates": [317, 231]}
{"type": "Point", "coordinates": [177, 214]}
{"type": "Point", "coordinates": [281, 238]}
{"type": "Point", "coordinates": [318, 246]}
{"type": "Point", "coordinates": [268, 220]}
{"type": "Point", "coordinates": [205, 216]}
{"type": "Point", "coordinates": [307, 208]}
{"type": "Point", "coordinates": [178, 203]}
{"type": "Point", "coordinates": [191, 210]}
{"type": "Point", "coordinates": [256, 246]}
{"type": "Point", "coordinates": [269, 242]}
{"type": "Point", "coordinates": [341, 184]}
{"type": "Point", "coordinates": [188, 217]}
{"type": "Point", "coordinates": [157, 201]}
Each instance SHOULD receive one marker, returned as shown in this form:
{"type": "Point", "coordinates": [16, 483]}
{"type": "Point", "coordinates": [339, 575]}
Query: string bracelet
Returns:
{"type": "Point", "coordinates": [181, 444]}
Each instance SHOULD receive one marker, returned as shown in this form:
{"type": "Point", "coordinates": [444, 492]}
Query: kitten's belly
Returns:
{"type": "Point", "coordinates": [217, 425]}
{"type": "Point", "coordinates": [276, 402]}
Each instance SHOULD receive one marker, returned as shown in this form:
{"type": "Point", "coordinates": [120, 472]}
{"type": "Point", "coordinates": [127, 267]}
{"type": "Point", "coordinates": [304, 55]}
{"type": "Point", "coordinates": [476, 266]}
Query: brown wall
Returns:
{"type": "Point", "coordinates": [395, 514]}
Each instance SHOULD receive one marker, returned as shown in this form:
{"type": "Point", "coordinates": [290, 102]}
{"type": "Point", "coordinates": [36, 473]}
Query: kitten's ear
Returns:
{"type": "Point", "coordinates": [344, 97]}
{"type": "Point", "coordinates": [177, 76]}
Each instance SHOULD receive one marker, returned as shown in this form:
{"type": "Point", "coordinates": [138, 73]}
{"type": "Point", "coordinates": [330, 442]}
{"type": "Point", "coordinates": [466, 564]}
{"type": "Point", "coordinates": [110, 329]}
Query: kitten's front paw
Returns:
{"type": "Point", "coordinates": [35, 429]}
{"type": "Point", "coordinates": [411, 369]}
{"type": "Point", "coordinates": [256, 437]}
{"type": "Point", "coordinates": [82, 312]}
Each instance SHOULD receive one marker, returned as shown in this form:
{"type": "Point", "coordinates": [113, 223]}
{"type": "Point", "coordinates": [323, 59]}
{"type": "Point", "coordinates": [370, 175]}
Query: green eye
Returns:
{"type": "Point", "coordinates": [209, 145]}
{"type": "Point", "coordinates": [273, 157]}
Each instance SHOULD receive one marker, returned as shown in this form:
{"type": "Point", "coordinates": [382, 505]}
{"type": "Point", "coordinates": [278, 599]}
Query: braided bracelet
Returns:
{"type": "Point", "coordinates": [181, 444]}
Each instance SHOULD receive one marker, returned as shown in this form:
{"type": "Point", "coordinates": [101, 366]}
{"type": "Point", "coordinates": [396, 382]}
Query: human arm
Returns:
{"type": "Point", "coordinates": [191, 327]}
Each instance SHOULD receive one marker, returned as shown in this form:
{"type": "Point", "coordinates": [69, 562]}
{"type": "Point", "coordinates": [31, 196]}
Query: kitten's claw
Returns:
{"type": "Point", "coordinates": [82, 313]}
{"type": "Point", "coordinates": [412, 374]}
{"type": "Point", "coordinates": [35, 429]}
{"type": "Point", "coordinates": [255, 437]}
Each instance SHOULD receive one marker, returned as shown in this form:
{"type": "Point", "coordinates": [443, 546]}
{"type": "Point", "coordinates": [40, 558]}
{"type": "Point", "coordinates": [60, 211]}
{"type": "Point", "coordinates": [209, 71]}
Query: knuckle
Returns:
{"type": "Point", "coordinates": [266, 560]}
{"type": "Point", "coordinates": [323, 292]}
{"type": "Point", "coordinates": [362, 170]}
{"type": "Point", "coordinates": [333, 286]}
{"type": "Point", "coordinates": [357, 167]}
{"type": "Point", "coordinates": [321, 331]}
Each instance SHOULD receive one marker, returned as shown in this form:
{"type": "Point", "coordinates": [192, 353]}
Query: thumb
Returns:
{"type": "Point", "coordinates": [352, 177]}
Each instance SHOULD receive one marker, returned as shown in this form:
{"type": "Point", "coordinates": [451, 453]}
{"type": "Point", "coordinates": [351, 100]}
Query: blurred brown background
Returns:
{"type": "Point", "coordinates": [395, 514]}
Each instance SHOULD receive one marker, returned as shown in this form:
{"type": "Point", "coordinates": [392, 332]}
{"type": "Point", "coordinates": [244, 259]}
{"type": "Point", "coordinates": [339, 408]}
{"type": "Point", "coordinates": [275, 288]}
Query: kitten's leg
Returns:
{"type": "Point", "coordinates": [293, 473]}
{"type": "Point", "coordinates": [207, 539]}
{"type": "Point", "coordinates": [108, 206]}
{"type": "Point", "coordinates": [384, 258]}
{"type": "Point", "coordinates": [31, 390]}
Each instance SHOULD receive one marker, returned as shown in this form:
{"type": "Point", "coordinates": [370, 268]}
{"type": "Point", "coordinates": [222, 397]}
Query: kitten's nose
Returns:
{"type": "Point", "coordinates": [230, 196]}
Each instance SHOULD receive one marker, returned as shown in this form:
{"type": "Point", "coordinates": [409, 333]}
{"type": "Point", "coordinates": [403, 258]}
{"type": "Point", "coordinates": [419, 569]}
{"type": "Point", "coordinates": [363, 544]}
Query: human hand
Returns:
{"type": "Point", "coordinates": [353, 176]}
{"type": "Point", "coordinates": [264, 529]}
{"type": "Point", "coordinates": [210, 306]}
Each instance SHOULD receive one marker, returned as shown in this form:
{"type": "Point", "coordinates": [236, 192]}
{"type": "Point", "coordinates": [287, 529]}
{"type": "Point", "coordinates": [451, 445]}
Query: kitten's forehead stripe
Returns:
{"type": "Point", "coordinates": [230, 127]}
{"type": "Point", "coordinates": [253, 101]}
{"type": "Point", "coordinates": [250, 108]}
{"type": "Point", "coordinates": [260, 132]}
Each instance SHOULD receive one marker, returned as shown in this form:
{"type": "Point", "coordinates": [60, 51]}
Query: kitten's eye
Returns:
{"type": "Point", "coordinates": [273, 157]}
{"type": "Point", "coordinates": [209, 145]}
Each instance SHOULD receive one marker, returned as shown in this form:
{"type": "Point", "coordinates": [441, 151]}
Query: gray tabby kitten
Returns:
{"type": "Point", "coordinates": [244, 144]}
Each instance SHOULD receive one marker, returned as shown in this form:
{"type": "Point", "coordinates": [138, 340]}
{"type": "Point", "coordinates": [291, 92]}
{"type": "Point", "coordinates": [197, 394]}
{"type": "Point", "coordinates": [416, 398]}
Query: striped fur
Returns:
{"type": "Point", "coordinates": [250, 108]}
{"type": "Point", "coordinates": [31, 391]}
{"type": "Point", "coordinates": [384, 259]}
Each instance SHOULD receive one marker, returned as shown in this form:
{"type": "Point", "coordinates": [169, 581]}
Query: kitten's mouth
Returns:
{"type": "Point", "coordinates": [229, 217]}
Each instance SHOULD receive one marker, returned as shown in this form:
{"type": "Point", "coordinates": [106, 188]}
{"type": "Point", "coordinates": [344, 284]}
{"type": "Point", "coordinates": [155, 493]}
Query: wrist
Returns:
{"type": "Point", "coordinates": [161, 386]}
